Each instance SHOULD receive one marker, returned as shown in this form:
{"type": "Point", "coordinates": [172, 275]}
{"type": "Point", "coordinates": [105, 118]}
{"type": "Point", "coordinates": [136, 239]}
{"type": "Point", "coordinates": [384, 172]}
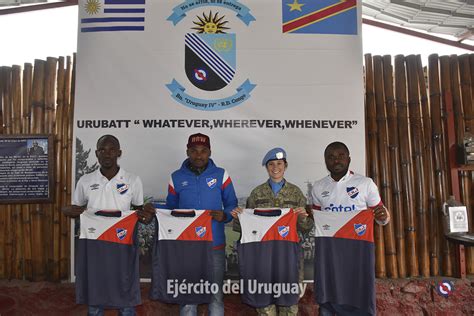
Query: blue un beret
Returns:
{"type": "Point", "coordinates": [274, 154]}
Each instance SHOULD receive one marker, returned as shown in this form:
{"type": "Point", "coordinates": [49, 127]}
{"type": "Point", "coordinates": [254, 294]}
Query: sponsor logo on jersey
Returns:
{"type": "Point", "coordinates": [211, 182]}
{"type": "Point", "coordinates": [94, 186]}
{"type": "Point", "coordinates": [91, 230]}
{"type": "Point", "coordinates": [326, 227]}
{"type": "Point", "coordinates": [325, 194]}
{"type": "Point", "coordinates": [360, 229]}
{"type": "Point", "coordinates": [122, 188]}
{"type": "Point", "coordinates": [283, 230]}
{"type": "Point", "coordinates": [353, 192]}
{"type": "Point", "coordinates": [184, 183]}
{"type": "Point", "coordinates": [340, 208]}
{"type": "Point", "coordinates": [121, 233]}
{"type": "Point", "coordinates": [200, 231]}
{"type": "Point", "coordinates": [445, 288]}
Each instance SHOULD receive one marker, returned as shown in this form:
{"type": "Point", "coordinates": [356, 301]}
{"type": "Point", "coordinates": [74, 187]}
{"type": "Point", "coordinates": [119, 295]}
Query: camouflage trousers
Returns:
{"type": "Point", "coordinates": [273, 310]}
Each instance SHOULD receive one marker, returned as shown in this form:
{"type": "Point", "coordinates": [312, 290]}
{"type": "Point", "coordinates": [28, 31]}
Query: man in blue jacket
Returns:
{"type": "Point", "coordinates": [200, 184]}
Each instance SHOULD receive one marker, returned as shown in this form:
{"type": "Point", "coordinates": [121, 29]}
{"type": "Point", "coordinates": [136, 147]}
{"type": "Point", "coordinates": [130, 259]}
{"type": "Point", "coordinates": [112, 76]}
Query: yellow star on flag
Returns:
{"type": "Point", "coordinates": [295, 5]}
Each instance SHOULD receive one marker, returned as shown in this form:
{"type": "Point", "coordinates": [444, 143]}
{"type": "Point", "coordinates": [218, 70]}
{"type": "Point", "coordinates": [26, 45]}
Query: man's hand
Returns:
{"type": "Point", "coordinates": [73, 210]}
{"type": "Point", "coordinates": [218, 215]}
{"type": "Point", "coordinates": [235, 212]}
{"type": "Point", "coordinates": [301, 212]}
{"type": "Point", "coordinates": [381, 214]}
{"type": "Point", "coordinates": [146, 213]}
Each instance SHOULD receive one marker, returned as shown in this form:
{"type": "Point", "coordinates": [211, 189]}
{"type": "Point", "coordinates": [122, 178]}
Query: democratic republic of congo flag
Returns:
{"type": "Point", "coordinates": [320, 17]}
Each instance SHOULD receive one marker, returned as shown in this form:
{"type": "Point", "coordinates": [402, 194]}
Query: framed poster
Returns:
{"type": "Point", "coordinates": [26, 169]}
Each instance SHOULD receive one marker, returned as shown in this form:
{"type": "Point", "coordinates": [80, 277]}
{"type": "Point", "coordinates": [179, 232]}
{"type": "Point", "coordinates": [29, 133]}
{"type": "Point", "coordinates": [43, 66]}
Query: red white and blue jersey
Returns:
{"type": "Point", "coordinates": [182, 253]}
{"type": "Point", "coordinates": [268, 254]}
{"type": "Point", "coordinates": [344, 260]}
{"type": "Point", "coordinates": [107, 269]}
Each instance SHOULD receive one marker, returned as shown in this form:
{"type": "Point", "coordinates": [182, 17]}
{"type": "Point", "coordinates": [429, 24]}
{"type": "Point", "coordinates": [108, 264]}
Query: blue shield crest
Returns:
{"type": "Point", "coordinates": [360, 229]}
{"type": "Point", "coordinates": [121, 233]}
{"type": "Point", "coordinates": [200, 231]}
{"type": "Point", "coordinates": [211, 182]}
{"type": "Point", "coordinates": [283, 231]}
{"type": "Point", "coordinates": [210, 60]}
{"type": "Point", "coordinates": [122, 188]}
{"type": "Point", "coordinates": [353, 192]}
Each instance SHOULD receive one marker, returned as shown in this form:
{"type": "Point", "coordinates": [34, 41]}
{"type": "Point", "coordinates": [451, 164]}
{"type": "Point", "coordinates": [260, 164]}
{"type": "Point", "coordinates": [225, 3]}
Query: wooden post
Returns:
{"type": "Point", "coordinates": [406, 165]}
{"type": "Point", "coordinates": [394, 155]}
{"type": "Point", "coordinates": [385, 189]}
{"type": "Point", "coordinates": [373, 170]}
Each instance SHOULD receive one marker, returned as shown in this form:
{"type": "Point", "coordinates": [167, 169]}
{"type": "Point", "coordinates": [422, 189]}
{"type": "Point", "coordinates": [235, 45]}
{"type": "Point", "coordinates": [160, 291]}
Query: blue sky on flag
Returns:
{"type": "Point", "coordinates": [39, 34]}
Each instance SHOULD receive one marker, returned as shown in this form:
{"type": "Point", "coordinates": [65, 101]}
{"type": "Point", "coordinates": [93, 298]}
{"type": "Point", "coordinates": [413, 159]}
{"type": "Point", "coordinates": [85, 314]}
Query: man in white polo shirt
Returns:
{"type": "Point", "coordinates": [344, 265]}
{"type": "Point", "coordinates": [112, 192]}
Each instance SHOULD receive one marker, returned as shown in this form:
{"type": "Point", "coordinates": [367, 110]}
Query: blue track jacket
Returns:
{"type": "Point", "coordinates": [211, 190]}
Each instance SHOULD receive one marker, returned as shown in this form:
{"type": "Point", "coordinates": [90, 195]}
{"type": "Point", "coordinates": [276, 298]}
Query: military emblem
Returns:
{"type": "Point", "coordinates": [360, 229]}
{"type": "Point", "coordinates": [122, 188]}
{"type": "Point", "coordinates": [445, 288]}
{"type": "Point", "coordinates": [200, 231]}
{"type": "Point", "coordinates": [211, 182]}
{"type": "Point", "coordinates": [283, 231]}
{"type": "Point", "coordinates": [353, 192]}
{"type": "Point", "coordinates": [121, 233]}
{"type": "Point", "coordinates": [210, 54]}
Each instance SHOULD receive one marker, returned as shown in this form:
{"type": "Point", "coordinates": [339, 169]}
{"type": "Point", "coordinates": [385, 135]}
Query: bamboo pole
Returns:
{"type": "Point", "coordinates": [406, 165]}
{"type": "Point", "coordinates": [17, 269]}
{"type": "Point", "coordinates": [373, 170]}
{"type": "Point", "coordinates": [418, 157]}
{"type": "Point", "coordinates": [26, 129]}
{"type": "Point", "coordinates": [466, 176]}
{"type": "Point", "coordinates": [9, 225]}
{"type": "Point", "coordinates": [37, 210]}
{"type": "Point", "coordinates": [428, 172]}
{"type": "Point", "coordinates": [67, 153]}
{"type": "Point", "coordinates": [58, 166]}
{"type": "Point", "coordinates": [445, 94]}
{"type": "Point", "coordinates": [394, 155]}
{"type": "Point", "coordinates": [3, 211]}
{"type": "Point", "coordinates": [385, 189]}
{"type": "Point", "coordinates": [438, 157]}
{"type": "Point", "coordinates": [27, 86]}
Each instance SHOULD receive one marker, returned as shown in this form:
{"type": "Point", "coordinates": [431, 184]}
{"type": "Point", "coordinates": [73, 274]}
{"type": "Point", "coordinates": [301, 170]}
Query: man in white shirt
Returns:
{"type": "Point", "coordinates": [343, 191]}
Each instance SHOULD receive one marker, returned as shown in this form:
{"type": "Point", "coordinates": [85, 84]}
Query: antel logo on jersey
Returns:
{"type": "Point", "coordinates": [360, 229]}
{"type": "Point", "coordinates": [352, 192]}
{"type": "Point", "coordinates": [121, 233]}
{"type": "Point", "coordinates": [283, 230]}
{"type": "Point", "coordinates": [340, 208]}
{"type": "Point", "coordinates": [211, 182]}
{"type": "Point", "coordinates": [200, 231]}
{"type": "Point", "coordinates": [122, 188]}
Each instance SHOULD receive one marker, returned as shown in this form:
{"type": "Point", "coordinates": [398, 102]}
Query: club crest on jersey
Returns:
{"type": "Point", "coordinates": [283, 231]}
{"type": "Point", "coordinates": [121, 233]}
{"type": "Point", "coordinates": [352, 192]}
{"type": "Point", "coordinates": [200, 231]}
{"type": "Point", "coordinates": [122, 188]}
{"type": "Point", "coordinates": [211, 182]}
{"type": "Point", "coordinates": [360, 229]}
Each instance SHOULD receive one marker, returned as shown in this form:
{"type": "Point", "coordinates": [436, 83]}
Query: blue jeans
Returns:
{"type": "Point", "coordinates": [99, 311]}
{"type": "Point", "coordinates": [216, 307]}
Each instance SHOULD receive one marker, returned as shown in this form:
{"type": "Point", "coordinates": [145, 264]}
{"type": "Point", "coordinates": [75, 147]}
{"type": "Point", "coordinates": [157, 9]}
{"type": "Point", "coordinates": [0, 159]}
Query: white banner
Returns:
{"type": "Point", "coordinates": [251, 74]}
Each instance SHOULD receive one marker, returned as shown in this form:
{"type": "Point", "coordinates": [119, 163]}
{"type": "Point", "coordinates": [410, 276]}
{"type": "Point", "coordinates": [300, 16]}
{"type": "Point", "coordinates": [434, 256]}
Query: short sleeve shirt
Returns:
{"type": "Point", "coordinates": [100, 193]}
{"type": "Point", "coordinates": [353, 192]}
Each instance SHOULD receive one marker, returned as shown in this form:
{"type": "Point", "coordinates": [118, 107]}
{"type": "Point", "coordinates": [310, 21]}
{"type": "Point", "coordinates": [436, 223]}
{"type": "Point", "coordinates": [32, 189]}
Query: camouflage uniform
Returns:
{"type": "Point", "coordinates": [289, 196]}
